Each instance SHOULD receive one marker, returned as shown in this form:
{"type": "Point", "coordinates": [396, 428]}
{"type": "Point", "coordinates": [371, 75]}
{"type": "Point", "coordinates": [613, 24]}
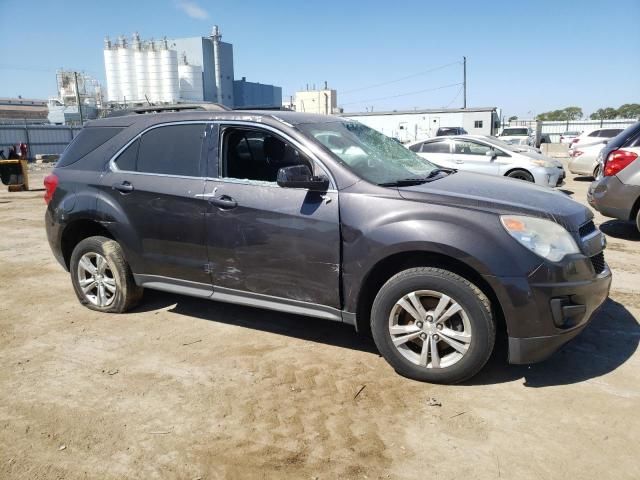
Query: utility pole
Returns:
{"type": "Point", "coordinates": [464, 82]}
{"type": "Point", "coordinates": [75, 78]}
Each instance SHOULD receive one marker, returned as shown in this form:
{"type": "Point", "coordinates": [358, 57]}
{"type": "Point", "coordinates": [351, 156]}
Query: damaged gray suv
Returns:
{"type": "Point", "coordinates": [325, 217]}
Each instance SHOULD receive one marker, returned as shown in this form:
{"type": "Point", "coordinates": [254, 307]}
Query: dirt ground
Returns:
{"type": "Point", "coordinates": [187, 388]}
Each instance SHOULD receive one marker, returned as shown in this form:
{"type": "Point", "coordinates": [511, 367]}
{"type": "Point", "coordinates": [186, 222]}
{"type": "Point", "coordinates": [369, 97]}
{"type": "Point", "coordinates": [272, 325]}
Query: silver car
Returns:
{"type": "Point", "coordinates": [483, 154]}
{"type": "Point", "coordinates": [616, 191]}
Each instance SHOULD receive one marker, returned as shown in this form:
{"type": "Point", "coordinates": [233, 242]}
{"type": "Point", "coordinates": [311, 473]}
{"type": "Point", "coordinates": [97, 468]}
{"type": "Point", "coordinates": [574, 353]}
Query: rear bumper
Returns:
{"type": "Point", "coordinates": [582, 165]}
{"type": "Point", "coordinates": [54, 236]}
{"type": "Point", "coordinates": [545, 311]}
{"type": "Point", "coordinates": [613, 198]}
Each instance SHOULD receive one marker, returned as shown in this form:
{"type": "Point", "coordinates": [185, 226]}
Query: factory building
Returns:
{"type": "Point", "coordinates": [256, 95]}
{"type": "Point", "coordinates": [418, 124]}
{"type": "Point", "coordinates": [180, 70]}
{"type": "Point", "coordinates": [324, 101]}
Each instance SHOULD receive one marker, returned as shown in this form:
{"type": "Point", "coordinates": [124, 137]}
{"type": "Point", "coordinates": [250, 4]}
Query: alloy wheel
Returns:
{"type": "Point", "coordinates": [96, 279]}
{"type": "Point", "coordinates": [430, 329]}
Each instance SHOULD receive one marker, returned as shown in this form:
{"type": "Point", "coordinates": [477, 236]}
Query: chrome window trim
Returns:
{"type": "Point", "coordinates": [114, 167]}
{"type": "Point", "coordinates": [303, 148]}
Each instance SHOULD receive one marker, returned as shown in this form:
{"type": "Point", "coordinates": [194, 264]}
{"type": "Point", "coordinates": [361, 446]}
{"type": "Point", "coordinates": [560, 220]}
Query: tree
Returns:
{"type": "Point", "coordinates": [604, 114]}
{"type": "Point", "coordinates": [629, 110]}
{"type": "Point", "coordinates": [513, 118]}
{"type": "Point", "coordinates": [566, 114]}
{"type": "Point", "coordinates": [572, 113]}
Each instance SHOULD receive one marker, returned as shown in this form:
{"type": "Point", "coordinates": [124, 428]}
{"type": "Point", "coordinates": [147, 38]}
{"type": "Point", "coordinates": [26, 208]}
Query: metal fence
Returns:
{"type": "Point", "coordinates": [40, 139]}
{"type": "Point", "coordinates": [555, 129]}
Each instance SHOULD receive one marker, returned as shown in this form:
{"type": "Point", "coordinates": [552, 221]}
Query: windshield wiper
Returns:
{"type": "Point", "coordinates": [406, 182]}
{"type": "Point", "coordinates": [435, 172]}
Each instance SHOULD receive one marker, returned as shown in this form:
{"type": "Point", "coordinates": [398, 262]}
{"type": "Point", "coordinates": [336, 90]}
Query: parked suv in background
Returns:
{"type": "Point", "coordinates": [517, 135]}
{"type": "Point", "coordinates": [446, 131]}
{"type": "Point", "coordinates": [616, 192]}
{"type": "Point", "coordinates": [321, 216]}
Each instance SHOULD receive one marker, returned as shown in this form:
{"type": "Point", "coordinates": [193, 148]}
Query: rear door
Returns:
{"type": "Point", "coordinates": [437, 151]}
{"type": "Point", "coordinates": [157, 183]}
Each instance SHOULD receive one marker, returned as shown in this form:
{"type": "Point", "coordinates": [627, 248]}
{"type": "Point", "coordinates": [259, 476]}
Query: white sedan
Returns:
{"type": "Point", "coordinates": [584, 160]}
{"type": "Point", "coordinates": [482, 154]}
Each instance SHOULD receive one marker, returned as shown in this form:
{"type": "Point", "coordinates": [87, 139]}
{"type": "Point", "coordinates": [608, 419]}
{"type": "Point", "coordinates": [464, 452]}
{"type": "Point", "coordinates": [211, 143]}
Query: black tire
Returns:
{"type": "Point", "coordinates": [638, 220]}
{"type": "Point", "coordinates": [521, 175]}
{"type": "Point", "coordinates": [127, 293]}
{"type": "Point", "coordinates": [460, 290]}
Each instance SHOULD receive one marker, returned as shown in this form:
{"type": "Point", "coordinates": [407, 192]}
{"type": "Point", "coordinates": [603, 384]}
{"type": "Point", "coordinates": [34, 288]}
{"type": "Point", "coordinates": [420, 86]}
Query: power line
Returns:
{"type": "Point", "coordinates": [399, 79]}
{"type": "Point", "coordinates": [404, 94]}
{"type": "Point", "coordinates": [455, 98]}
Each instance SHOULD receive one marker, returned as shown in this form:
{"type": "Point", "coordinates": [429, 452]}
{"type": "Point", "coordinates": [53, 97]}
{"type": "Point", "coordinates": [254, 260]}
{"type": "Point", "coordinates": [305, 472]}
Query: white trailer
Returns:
{"type": "Point", "coordinates": [411, 125]}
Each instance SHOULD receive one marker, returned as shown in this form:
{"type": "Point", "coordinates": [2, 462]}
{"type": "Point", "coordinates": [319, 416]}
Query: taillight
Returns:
{"type": "Point", "coordinates": [50, 184]}
{"type": "Point", "coordinates": [575, 140]}
{"type": "Point", "coordinates": [617, 161]}
{"type": "Point", "coordinates": [575, 153]}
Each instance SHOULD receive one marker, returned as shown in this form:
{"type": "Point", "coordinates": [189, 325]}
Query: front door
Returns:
{"type": "Point", "coordinates": [157, 186]}
{"type": "Point", "coordinates": [474, 157]}
{"type": "Point", "coordinates": [264, 239]}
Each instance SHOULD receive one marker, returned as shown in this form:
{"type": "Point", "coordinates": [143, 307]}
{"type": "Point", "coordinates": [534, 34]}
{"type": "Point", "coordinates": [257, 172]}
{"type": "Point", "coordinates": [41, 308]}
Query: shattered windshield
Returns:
{"type": "Point", "coordinates": [370, 154]}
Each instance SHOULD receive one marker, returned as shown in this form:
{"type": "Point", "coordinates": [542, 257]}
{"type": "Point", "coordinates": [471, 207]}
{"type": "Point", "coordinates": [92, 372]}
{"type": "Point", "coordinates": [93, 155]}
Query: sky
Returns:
{"type": "Point", "coordinates": [523, 57]}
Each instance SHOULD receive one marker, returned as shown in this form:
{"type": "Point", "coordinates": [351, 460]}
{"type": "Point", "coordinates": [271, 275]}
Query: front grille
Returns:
{"type": "Point", "coordinates": [598, 262]}
{"type": "Point", "coordinates": [586, 229]}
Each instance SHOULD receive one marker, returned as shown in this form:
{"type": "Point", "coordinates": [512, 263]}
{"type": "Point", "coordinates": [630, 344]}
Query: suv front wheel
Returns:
{"type": "Point", "coordinates": [433, 325]}
{"type": "Point", "coordinates": [101, 276]}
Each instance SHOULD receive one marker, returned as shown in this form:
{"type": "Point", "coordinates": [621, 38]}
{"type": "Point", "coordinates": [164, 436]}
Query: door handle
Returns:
{"type": "Point", "coordinates": [223, 202]}
{"type": "Point", "coordinates": [459, 161]}
{"type": "Point", "coordinates": [124, 187]}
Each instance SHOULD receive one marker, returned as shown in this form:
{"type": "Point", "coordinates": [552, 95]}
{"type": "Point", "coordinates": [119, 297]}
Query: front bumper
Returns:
{"type": "Point", "coordinates": [549, 177]}
{"type": "Point", "coordinates": [613, 198]}
{"type": "Point", "coordinates": [550, 307]}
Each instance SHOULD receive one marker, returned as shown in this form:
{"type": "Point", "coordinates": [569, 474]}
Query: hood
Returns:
{"type": "Point", "coordinates": [533, 155]}
{"type": "Point", "coordinates": [500, 195]}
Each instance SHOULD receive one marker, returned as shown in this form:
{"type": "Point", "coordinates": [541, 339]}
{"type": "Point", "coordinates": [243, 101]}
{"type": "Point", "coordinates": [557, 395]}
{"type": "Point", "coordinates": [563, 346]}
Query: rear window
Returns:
{"type": "Point", "coordinates": [610, 132]}
{"type": "Point", "coordinates": [515, 131]}
{"type": "Point", "coordinates": [86, 142]}
{"type": "Point", "coordinates": [168, 150]}
{"type": "Point", "coordinates": [627, 138]}
{"type": "Point", "coordinates": [435, 147]}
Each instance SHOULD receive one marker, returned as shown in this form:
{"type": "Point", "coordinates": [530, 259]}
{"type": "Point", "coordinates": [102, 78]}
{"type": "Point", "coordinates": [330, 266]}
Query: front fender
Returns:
{"type": "Point", "coordinates": [473, 237]}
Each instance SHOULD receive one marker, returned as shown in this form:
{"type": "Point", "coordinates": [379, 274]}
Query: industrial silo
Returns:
{"type": "Point", "coordinates": [169, 73]}
{"type": "Point", "coordinates": [154, 87]}
{"type": "Point", "coordinates": [190, 81]}
{"type": "Point", "coordinates": [111, 70]}
{"type": "Point", "coordinates": [128, 89]}
{"type": "Point", "coordinates": [140, 67]}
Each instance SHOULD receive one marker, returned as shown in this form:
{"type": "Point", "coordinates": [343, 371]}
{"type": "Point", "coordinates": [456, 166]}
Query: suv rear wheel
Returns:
{"type": "Point", "coordinates": [433, 325]}
{"type": "Point", "coordinates": [101, 276]}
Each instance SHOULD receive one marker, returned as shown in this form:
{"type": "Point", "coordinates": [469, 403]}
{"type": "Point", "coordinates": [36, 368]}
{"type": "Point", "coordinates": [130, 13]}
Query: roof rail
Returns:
{"type": "Point", "coordinates": [178, 107]}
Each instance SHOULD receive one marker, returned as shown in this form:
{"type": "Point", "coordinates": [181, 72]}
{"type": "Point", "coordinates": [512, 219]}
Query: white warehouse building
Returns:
{"type": "Point", "coordinates": [412, 125]}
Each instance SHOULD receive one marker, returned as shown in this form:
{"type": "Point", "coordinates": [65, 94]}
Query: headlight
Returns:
{"type": "Point", "coordinates": [542, 163]}
{"type": "Point", "coordinates": [542, 237]}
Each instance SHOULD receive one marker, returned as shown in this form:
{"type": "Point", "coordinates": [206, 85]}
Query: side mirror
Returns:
{"type": "Point", "coordinates": [491, 153]}
{"type": "Point", "coordinates": [299, 176]}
